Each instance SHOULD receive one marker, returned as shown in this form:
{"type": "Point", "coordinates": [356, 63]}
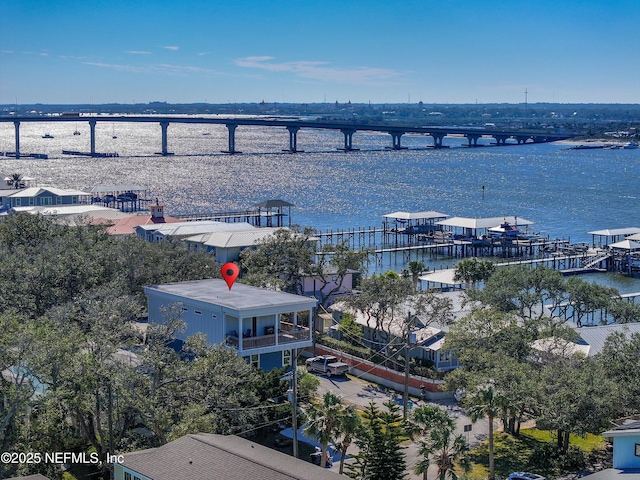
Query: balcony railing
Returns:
{"type": "Point", "coordinates": [285, 336]}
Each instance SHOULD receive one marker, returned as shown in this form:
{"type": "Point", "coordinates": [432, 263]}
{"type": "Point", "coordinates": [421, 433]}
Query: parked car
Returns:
{"type": "Point", "coordinates": [326, 364]}
{"type": "Point", "coordinates": [525, 476]}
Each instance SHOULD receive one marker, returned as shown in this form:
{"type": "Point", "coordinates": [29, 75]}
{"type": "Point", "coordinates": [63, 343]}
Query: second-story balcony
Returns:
{"type": "Point", "coordinates": [288, 334]}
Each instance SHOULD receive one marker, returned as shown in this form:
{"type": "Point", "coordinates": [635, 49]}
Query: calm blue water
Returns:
{"type": "Point", "coordinates": [565, 192]}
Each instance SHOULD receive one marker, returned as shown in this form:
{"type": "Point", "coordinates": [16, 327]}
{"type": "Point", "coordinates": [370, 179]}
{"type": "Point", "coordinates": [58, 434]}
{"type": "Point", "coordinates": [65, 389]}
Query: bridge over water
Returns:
{"type": "Point", "coordinates": [293, 126]}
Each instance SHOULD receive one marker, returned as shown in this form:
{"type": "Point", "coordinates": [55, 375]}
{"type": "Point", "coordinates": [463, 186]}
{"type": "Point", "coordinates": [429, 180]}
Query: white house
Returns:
{"type": "Point", "coordinates": [161, 231]}
{"type": "Point", "coordinates": [263, 325]}
{"type": "Point", "coordinates": [226, 245]}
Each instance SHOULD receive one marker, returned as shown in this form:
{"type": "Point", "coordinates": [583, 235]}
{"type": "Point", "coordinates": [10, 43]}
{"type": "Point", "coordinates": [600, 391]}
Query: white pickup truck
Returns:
{"type": "Point", "coordinates": [326, 364]}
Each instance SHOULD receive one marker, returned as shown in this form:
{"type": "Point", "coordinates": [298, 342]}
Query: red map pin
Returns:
{"type": "Point", "coordinates": [230, 272]}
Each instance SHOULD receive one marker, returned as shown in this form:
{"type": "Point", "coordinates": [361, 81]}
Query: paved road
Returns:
{"type": "Point", "coordinates": [359, 392]}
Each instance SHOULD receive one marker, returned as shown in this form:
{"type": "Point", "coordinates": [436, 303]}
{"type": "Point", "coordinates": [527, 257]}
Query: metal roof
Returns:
{"type": "Point", "coordinates": [615, 231]}
{"type": "Point", "coordinates": [467, 222]}
{"type": "Point", "coordinates": [273, 204]}
{"type": "Point", "coordinates": [116, 188]}
{"type": "Point", "coordinates": [596, 336]}
{"type": "Point", "coordinates": [444, 277]}
{"type": "Point", "coordinates": [233, 239]}
{"type": "Point", "coordinates": [35, 191]}
{"type": "Point", "coordinates": [196, 227]}
{"type": "Point", "coordinates": [626, 245]}
{"type": "Point", "coordinates": [416, 215]}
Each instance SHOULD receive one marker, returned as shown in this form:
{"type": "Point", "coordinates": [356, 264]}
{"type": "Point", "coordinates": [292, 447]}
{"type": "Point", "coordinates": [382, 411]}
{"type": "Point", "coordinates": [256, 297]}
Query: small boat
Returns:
{"type": "Point", "coordinates": [47, 135]}
{"type": "Point", "coordinates": [632, 145]}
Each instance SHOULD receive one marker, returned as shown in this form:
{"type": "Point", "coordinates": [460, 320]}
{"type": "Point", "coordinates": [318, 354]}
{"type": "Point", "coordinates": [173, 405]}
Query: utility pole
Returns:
{"type": "Point", "coordinates": [294, 400]}
{"type": "Point", "coordinates": [407, 351]}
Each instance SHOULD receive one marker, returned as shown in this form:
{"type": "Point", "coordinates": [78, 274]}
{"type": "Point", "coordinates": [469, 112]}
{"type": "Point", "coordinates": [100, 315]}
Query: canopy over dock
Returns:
{"type": "Point", "coordinates": [126, 198]}
{"type": "Point", "coordinates": [626, 245]}
{"type": "Point", "coordinates": [275, 208]}
{"type": "Point", "coordinates": [430, 215]}
{"type": "Point", "coordinates": [442, 278]}
{"type": "Point", "coordinates": [613, 235]}
{"type": "Point", "coordinates": [480, 223]}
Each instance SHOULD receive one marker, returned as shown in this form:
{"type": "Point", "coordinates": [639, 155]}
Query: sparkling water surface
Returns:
{"type": "Point", "coordinates": [567, 193]}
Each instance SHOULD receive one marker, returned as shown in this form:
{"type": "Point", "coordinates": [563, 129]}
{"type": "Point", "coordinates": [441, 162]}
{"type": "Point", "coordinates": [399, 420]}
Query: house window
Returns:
{"type": "Point", "coordinates": [127, 476]}
{"type": "Point", "coordinates": [45, 201]}
{"type": "Point", "coordinates": [445, 356]}
{"type": "Point", "coordinates": [17, 204]}
{"type": "Point", "coordinates": [74, 199]}
{"type": "Point", "coordinates": [59, 200]}
{"type": "Point", "coordinates": [637, 450]}
{"type": "Point", "coordinates": [31, 201]}
{"type": "Point", "coordinates": [254, 360]}
{"type": "Point", "coordinates": [286, 358]}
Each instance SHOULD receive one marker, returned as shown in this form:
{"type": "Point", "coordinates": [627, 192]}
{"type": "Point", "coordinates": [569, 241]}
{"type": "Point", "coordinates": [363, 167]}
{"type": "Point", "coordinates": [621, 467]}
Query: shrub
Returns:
{"type": "Point", "coordinates": [549, 457]}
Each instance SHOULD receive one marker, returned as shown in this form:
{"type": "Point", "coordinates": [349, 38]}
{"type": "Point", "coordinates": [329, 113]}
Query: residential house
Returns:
{"type": "Point", "coordinates": [263, 325]}
{"type": "Point", "coordinates": [42, 197]}
{"type": "Point", "coordinates": [227, 245]}
{"type": "Point", "coordinates": [127, 225]}
{"type": "Point", "coordinates": [329, 284]}
{"type": "Point", "coordinates": [427, 340]}
{"type": "Point", "coordinates": [206, 456]}
{"type": "Point", "coordinates": [158, 232]}
{"type": "Point", "coordinates": [591, 342]}
{"type": "Point", "coordinates": [626, 453]}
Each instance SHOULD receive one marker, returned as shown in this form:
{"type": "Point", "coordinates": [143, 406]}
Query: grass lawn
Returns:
{"type": "Point", "coordinates": [512, 453]}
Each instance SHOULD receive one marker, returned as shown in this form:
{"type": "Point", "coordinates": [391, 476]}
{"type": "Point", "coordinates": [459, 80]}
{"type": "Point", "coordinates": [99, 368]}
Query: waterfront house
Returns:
{"type": "Point", "coordinates": [263, 325]}
{"type": "Point", "coordinates": [157, 232]}
{"type": "Point", "coordinates": [42, 197]}
{"type": "Point", "coordinates": [227, 245]}
{"type": "Point", "coordinates": [206, 456]}
{"type": "Point", "coordinates": [127, 225]}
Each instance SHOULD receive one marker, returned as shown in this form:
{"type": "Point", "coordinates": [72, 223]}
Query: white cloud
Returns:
{"type": "Point", "coordinates": [164, 68]}
{"type": "Point", "coordinates": [137, 52]}
{"type": "Point", "coordinates": [324, 71]}
{"type": "Point", "coordinates": [173, 48]}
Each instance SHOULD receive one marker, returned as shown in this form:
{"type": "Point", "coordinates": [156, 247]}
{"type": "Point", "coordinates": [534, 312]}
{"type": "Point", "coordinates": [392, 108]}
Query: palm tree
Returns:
{"type": "Point", "coordinates": [15, 180]}
{"type": "Point", "coordinates": [445, 449]}
{"type": "Point", "coordinates": [323, 422]}
{"type": "Point", "coordinates": [415, 269]}
{"type": "Point", "coordinates": [425, 419]}
{"type": "Point", "coordinates": [486, 402]}
{"type": "Point", "coordinates": [350, 424]}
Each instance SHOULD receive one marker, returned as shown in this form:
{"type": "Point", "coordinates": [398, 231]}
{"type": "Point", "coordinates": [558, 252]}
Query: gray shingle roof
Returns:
{"type": "Point", "coordinates": [206, 456]}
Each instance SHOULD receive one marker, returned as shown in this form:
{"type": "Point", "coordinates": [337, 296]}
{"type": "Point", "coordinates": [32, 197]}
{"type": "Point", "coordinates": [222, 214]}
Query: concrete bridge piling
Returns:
{"type": "Point", "coordinates": [473, 134]}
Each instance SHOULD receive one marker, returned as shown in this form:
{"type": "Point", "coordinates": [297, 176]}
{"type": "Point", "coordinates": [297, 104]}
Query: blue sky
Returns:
{"type": "Point", "coordinates": [219, 51]}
